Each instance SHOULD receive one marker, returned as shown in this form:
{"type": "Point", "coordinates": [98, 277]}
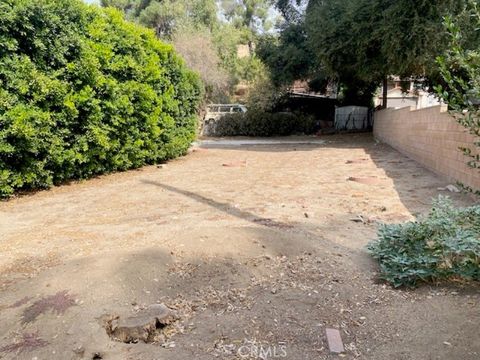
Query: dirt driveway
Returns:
{"type": "Point", "coordinates": [257, 248]}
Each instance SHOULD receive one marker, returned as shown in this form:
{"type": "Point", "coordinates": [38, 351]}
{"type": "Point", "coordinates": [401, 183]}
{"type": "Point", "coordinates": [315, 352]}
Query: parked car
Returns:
{"type": "Point", "coordinates": [216, 111]}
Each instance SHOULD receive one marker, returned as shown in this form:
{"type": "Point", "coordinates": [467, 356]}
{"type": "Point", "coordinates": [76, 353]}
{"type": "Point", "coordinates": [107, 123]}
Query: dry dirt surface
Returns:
{"type": "Point", "coordinates": [249, 252]}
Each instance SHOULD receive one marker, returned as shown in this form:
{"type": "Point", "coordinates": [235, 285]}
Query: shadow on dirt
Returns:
{"type": "Point", "coordinates": [224, 207]}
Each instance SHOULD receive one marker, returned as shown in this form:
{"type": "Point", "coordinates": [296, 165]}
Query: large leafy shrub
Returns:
{"type": "Point", "coordinates": [258, 123]}
{"type": "Point", "coordinates": [83, 92]}
{"type": "Point", "coordinates": [444, 244]}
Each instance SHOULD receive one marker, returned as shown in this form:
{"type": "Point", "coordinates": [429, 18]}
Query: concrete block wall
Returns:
{"type": "Point", "coordinates": [431, 137]}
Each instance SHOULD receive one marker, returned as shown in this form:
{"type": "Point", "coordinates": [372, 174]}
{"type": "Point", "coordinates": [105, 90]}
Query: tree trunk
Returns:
{"type": "Point", "coordinates": [385, 92]}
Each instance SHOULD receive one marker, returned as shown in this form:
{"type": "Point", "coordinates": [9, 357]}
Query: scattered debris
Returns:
{"type": "Point", "coordinates": [27, 267]}
{"type": "Point", "coordinates": [240, 163]}
{"type": "Point", "coordinates": [356, 161]}
{"type": "Point", "coordinates": [223, 349]}
{"type": "Point", "coordinates": [58, 303]}
{"type": "Point", "coordinates": [372, 180]}
{"type": "Point", "coordinates": [335, 342]}
{"type": "Point", "coordinates": [272, 223]}
{"type": "Point", "coordinates": [146, 325]}
{"type": "Point", "coordinates": [28, 342]}
{"type": "Point", "coordinates": [182, 270]}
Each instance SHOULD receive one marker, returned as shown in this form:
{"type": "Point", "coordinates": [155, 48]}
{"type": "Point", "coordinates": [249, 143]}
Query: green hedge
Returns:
{"type": "Point", "coordinates": [256, 123]}
{"type": "Point", "coordinates": [84, 92]}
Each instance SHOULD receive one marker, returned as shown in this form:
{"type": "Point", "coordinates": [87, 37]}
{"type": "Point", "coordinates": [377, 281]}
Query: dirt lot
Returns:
{"type": "Point", "coordinates": [257, 248]}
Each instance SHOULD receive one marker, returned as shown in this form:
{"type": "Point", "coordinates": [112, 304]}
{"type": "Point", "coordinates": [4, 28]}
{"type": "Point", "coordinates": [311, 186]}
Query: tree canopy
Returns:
{"type": "Point", "coordinates": [251, 14]}
{"type": "Point", "coordinates": [360, 42]}
{"type": "Point", "coordinates": [167, 16]}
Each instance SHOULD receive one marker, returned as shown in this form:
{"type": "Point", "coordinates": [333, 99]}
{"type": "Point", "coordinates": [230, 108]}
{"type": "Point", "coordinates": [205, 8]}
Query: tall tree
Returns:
{"type": "Point", "coordinates": [360, 42]}
{"type": "Point", "coordinates": [293, 11]}
{"type": "Point", "coordinates": [164, 16]}
{"type": "Point", "coordinates": [288, 56]}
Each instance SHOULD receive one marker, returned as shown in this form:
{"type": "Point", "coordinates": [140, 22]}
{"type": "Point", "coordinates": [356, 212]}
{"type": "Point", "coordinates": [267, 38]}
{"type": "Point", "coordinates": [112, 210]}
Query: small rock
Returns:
{"type": "Point", "coordinates": [447, 343]}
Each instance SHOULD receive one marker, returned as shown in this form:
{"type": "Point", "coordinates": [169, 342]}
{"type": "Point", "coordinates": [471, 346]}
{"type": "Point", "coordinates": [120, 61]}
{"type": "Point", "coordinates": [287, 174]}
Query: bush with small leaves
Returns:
{"type": "Point", "coordinates": [258, 123]}
{"type": "Point", "coordinates": [84, 92]}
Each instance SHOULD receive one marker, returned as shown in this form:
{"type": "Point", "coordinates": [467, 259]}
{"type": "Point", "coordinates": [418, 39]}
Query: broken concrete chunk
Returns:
{"type": "Point", "coordinates": [451, 188]}
{"type": "Point", "coordinates": [358, 219]}
{"type": "Point", "coordinates": [335, 343]}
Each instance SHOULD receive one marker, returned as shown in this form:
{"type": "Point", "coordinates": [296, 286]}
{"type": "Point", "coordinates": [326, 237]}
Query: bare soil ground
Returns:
{"type": "Point", "coordinates": [258, 248]}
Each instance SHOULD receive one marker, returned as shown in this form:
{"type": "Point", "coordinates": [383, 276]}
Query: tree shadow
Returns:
{"type": "Point", "coordinates": [224, 207]}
